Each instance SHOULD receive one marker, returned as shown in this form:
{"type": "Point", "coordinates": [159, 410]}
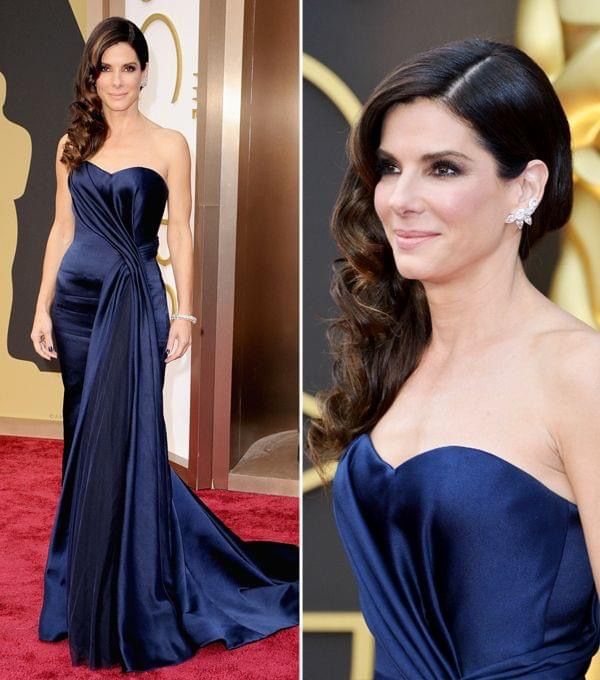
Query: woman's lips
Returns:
{"type": "Point", "coordinates": [410, 240]}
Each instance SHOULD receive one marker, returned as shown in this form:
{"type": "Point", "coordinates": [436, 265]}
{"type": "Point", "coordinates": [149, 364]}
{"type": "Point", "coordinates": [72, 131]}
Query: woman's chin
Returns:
{"type": "Point", "coordinates": [421, 271]}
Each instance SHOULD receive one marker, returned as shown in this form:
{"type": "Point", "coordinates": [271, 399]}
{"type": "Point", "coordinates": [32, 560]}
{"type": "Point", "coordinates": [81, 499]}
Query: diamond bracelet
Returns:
{"type": "Point", "coordinates": [190, 317]}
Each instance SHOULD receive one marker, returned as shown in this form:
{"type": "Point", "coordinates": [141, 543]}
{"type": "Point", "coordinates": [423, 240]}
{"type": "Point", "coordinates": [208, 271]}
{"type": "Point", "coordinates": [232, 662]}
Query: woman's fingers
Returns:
{"type": "Point", "coordinates": [172, 348]}
{"type": "Point", "coordinates": [178, 348]}
{"type": "Point", "coordinates": [42, 343]}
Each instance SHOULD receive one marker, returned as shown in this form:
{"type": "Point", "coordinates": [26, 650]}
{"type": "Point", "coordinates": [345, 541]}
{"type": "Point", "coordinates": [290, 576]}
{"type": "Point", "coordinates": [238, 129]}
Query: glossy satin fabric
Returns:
{"type": "Point", "coordinates": [467, 566]}
{"type": "Point", "coordinates": [139, 572]}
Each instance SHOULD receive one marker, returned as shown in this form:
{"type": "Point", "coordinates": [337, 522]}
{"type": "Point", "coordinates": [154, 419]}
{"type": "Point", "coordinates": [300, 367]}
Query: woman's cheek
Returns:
{"type": "Point", "coordinates": [456, 205]}
{"type": "Point", "coordinates": [380, 201]}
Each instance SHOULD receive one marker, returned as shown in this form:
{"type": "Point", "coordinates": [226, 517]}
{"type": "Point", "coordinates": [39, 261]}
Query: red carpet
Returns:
{"type": "Point", "coordinates": [27, 507]}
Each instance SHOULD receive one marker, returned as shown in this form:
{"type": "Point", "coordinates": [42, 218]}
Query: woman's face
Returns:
{"type": "Point", "coordinates": [438, 197]}
{"type": "Point", "coordinates": [118, 84]}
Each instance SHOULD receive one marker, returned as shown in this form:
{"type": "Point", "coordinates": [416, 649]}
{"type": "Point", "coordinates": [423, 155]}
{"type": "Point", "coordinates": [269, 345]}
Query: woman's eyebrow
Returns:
{"type": "Point", "coordinates": [447, 152]}
{"type": "Point", "coordinates": [382, 153]}
{"type": "Point", "coordinates": [434, 155]}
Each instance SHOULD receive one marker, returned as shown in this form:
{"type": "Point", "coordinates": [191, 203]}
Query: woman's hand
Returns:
{"type": "Point", "coordinates": [180, 338]}
{"type": "Point", "coordinates": [41, 335]}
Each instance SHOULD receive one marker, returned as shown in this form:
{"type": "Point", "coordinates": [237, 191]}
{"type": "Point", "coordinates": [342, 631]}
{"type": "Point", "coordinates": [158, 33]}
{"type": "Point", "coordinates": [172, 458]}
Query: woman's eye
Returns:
{"type": "Point", "coordinates": [129, 68]}
{"type": "Point", "coordinates": [386, 168]}
{"type": "Point", "coordinates": [445, 169]}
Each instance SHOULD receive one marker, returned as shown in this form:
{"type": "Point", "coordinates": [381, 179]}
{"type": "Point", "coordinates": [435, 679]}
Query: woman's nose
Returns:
{"type": "Point", "coordinates": [405, 195]}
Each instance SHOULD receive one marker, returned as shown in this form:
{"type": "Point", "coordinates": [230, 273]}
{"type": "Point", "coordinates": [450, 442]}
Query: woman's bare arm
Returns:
{"type": "Point", "coordinates": [59, 239]}
{"type": "Point", "coordinates": [576, 400]}
{"type": "Point", "coordinates": [180, 241]}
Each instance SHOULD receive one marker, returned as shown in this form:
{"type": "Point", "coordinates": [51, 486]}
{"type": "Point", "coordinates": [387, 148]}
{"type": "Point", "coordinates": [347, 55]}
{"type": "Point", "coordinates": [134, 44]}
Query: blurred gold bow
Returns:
{"type": "Point", "coordinates": [563, 36]}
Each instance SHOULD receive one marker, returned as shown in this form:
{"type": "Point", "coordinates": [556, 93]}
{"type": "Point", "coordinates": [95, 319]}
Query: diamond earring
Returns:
{"type": "Point", "coordinates": [522, 215]}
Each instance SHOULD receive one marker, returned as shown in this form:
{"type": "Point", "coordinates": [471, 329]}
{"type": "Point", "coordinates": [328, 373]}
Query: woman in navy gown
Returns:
{"type": "Point", "coordinates": [463, 413]}
{"type": "Point", "coordinates": [140, 573]}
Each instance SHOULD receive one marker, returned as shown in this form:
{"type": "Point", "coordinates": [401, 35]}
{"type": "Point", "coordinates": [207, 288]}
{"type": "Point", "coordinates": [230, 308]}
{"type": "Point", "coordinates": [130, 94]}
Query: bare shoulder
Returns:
{"type": "Point", "coordinates": [577, 362]}
{"type": "Point", "coordinates": [61, 145]}
{"type": "Point", "coordinates": [174, 150]}
{"type": "Point", "coordinates": [168, 142]}
{"type": "Point", "coordinates": [566, 355]}
{"type": "Point", "coordinates": [172, 142]}
{"type": "Point", "coordinates": [61, 168]}
{"type": "Point", "coordinates": [170, 134]}
{"type": "Point", "coordinates": [567, 347]}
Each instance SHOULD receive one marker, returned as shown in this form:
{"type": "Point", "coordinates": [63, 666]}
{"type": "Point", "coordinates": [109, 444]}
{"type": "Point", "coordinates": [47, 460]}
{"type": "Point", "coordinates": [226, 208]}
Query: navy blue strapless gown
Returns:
{"type": "Point", "coordinates": [467, 567]}
{"type": "Point", "coordinates": [140, 573]}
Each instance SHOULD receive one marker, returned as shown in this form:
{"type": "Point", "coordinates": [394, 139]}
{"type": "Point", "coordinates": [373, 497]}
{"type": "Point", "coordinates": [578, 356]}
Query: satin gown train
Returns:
{"type": "Point", "coordinates": [140, 573]}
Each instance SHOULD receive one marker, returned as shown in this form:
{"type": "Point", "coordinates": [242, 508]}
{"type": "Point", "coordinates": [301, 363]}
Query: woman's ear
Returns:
{"type": "Point", "coordinates": [532, 182]}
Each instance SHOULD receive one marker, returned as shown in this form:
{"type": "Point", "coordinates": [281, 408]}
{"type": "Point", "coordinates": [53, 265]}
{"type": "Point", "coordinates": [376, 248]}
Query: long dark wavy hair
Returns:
{"type": "Point", "coordinates": [378, 339]}
{"type": "Point", "coordinates": [88, 129]}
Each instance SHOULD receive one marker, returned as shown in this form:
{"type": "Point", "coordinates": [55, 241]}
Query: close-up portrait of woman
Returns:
{"type": "Point", "coordinates": [461, 419]}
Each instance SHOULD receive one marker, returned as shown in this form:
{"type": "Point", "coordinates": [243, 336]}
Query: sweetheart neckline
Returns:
{"type": "Point", "coordinates": [460, 447]}
{"type": "Point", "coordinates": [131, 167]}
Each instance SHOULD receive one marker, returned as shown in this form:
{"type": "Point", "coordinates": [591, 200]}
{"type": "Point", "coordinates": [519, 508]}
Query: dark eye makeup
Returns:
{"type": "Point", "coordinates": [439, 168]}
{"type": "Point", "coordinates": [129, 67]}
{"type": "Point", "coordinates": [446, 168]}
{"type": "Point", "coordinates": [385, 167]}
